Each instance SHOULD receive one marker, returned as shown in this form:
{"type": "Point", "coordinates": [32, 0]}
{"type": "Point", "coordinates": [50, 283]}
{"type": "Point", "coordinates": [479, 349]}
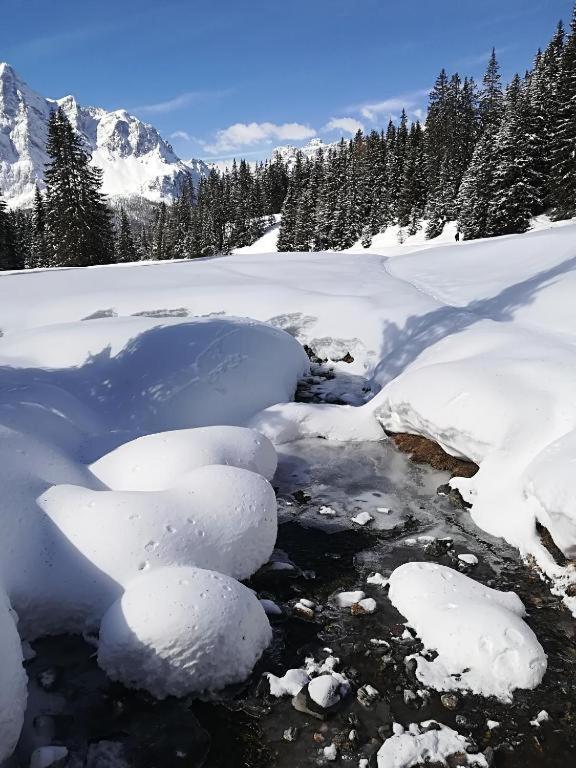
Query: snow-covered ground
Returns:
{"type": "Point", "coordinates": [471, 344]}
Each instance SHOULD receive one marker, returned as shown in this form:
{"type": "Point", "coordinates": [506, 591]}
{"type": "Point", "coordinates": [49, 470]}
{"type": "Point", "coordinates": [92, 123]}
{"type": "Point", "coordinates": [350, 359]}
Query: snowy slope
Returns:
{"type": "Point", "coordinates": [134, 157]}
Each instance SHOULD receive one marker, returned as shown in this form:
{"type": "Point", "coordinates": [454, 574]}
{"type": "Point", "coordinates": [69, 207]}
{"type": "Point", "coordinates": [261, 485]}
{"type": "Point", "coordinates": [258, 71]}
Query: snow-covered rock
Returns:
{"type": "Point", "coordinates": [159, 461]}
{"type": "Point", "coordinates": [427, 742]}
{"type": "Point", "coordinates": [134, 157]}
{"type": "Point", "coordinates": [13, 682]}
{"type": "Point", "coordinates": [483, 644]}
{"type": "Point", "coordinates": [181, 631]}
{"type": "Point", "coordinates": [289, 684]}
{"type": "Point", "coordinates": [325, 690]}
{"type": "Point", "coordinates": [220, 518]}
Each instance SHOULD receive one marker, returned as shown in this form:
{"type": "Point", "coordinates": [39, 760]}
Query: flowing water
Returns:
{"type": "Point", "coordinates": [106, 726]}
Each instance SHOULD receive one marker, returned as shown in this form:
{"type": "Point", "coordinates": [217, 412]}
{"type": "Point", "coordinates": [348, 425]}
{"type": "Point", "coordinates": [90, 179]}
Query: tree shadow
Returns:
{"type": "Point", "coordinates": [401, 346]}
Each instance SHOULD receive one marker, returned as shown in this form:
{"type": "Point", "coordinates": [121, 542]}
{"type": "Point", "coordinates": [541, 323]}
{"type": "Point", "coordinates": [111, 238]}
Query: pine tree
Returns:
{"type": "Point", "coordinates": [10, 258]}
{"type": "Point", "coordinates": [125, 248]}
{"type": "Point", "coordinates": [491, 96]}
{"type": "Point", "coordinates": [39, 252]}
{"type": "Point", "coordinates": [516, 183]}
{"type": "Point", "coordinates": [77, 218]}
{"type": "Point", "coordinates": [288, 224]}
{"type": "Point", "coordinates": [563, 193]}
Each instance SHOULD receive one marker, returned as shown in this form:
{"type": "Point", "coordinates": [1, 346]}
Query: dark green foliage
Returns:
{"type": "Point", "coordinates": [78, 220]}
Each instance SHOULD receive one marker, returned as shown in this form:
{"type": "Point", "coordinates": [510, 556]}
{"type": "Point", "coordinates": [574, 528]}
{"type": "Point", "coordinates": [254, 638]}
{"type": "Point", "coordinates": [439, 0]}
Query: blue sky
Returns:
{"type": "Point", "coordinates": [236, 77]}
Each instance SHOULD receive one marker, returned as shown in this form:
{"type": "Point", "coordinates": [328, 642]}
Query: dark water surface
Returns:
{"type": "Point", "coordinates": [106, 726]}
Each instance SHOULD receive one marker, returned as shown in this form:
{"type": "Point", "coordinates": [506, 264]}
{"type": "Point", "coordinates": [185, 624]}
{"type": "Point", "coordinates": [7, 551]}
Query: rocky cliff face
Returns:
{"type": "Point", "coordinates": [134, 157]}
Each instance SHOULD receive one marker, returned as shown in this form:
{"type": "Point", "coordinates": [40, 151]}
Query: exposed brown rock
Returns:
{"type": "Point", "coordinates": [425, 451]}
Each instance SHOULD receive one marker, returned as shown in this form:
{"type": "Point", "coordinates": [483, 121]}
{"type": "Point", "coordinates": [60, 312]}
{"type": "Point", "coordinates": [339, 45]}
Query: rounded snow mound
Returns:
{"type": "Point", "coordinates": [159, 461]}
{"type": "Point", "coordinates": [13, 682]}
{"type": "Point", "coordinates": [182, 631]}
{"type": "Point", "coordinates": [221, 518]}
{"type": "Point", "coordinates": [483, 644]}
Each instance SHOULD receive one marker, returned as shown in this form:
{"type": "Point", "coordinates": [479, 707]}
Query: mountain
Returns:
{"type": "Point", "coordinates": [288, 152]}
{"type": "Point", "coordinates": [135, 159]}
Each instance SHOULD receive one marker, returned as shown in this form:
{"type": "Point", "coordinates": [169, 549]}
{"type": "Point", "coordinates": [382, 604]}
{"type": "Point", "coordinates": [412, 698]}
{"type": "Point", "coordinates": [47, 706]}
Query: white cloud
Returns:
{"type": "Point", "coordinates": [183, 135]}
{"type": "Point", "coordinates": [183, 100]}
{"type": "Point", "coordinates": [344, 124]}
{"type": "Point", "coordinates": [247, 134]}
{"type": "Point", "coordinates": [393, 105]}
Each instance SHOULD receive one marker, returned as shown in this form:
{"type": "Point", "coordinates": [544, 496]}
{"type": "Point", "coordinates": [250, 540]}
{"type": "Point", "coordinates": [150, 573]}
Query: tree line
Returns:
{"type": "Point", "coordinates": [488, 157]}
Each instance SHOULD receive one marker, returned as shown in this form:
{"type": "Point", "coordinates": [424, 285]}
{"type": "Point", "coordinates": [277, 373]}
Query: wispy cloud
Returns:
{"type": "Point", "coordinates": [392, 105]}
{"type": "Point", "coordinates": [50, 44]}
{"type": "Point", "coordinates": [248, 134]}
{"type": "Point", "coordinates": [182, 135]}
{"type": "Point", "coordinates": [482, 58]}
{"type": "Point", "coordinates": [344, 125]}
{"type": "Point", "coordinates": [179, 102]}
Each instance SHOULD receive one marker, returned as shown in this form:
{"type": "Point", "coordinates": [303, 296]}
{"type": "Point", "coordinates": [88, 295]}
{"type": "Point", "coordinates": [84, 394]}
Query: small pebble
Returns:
{"type": "Point", "coordinates": [468, 559]}
{"type": "Point", "coordinates": [290, 734]}
{"type": "Point", "coordinates": [450, 701]}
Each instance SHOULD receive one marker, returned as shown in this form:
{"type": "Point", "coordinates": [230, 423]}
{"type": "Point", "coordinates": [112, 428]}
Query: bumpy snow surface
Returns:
{"type": "Point", "coordinates": [13, 691]}
{"type": "Point", "coordinates": [71, 395]}
{"type": "Point", "coordinates": [469, 344]}
{"type": "Point", "coordinates": [180, 631]}
{"type": "Point", "coordinates": [483, 644]}
{"type": "Point", "coordinates": [429, 742]}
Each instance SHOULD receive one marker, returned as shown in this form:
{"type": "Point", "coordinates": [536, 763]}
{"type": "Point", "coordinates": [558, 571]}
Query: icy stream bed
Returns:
{"type": "Point", "coordinates": [321, 486]}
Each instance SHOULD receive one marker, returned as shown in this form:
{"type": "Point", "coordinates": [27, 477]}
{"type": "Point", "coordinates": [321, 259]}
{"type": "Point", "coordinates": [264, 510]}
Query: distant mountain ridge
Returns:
{"type": "Point", "coordinates": [135, 159]}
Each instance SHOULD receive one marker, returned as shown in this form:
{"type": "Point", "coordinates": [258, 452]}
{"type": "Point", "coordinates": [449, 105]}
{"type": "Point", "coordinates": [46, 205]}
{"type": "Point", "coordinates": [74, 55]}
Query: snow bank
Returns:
{"type": "Point", "coordinates": [159, 461]}
{"type": "Point", "coordinates": [181, 631]}
{"type": "Point", "coordinates": [286, 422]}
{"type": "Point", "coordinates": [483, 644]}
{"type": "Point", "coordinates": [13, 682]}
{"type": "Point", "coordinates": [220, 518]}
{"type": "Point", "coordinates": [549, 483]}
{"type": "Point", "coordinates": [427, 742]}
{"type": "Point", "coordinates": [70, 394]}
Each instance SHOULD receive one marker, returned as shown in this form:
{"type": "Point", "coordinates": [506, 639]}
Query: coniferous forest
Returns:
{"type": "Point", "coordinates": [488, 156]}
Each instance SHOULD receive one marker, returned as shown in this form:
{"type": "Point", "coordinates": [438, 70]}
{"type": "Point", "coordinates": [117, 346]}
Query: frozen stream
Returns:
{"type": "Point", "coordinates": [102, 724]}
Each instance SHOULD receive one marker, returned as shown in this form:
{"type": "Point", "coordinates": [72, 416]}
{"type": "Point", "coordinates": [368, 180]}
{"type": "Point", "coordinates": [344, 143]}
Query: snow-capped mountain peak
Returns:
{"type": "Point", "coordinates": [135, 159]}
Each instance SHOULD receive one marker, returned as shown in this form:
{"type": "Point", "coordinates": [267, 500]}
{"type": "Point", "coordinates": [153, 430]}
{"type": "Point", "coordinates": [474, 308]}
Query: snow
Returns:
{"type": "Point", "coordinates": [42, 757]}
{"type": "Point", "coordinates": [417, 745]}
{"type": "Point", "coordinates": [180, 631]}
{"type": "Point", "coordinates": [133, 156]}
{"type": "Point", "coordinates": [348, 599]}
{"type": "Point", "coordinates": [541, 717]}
{"type": "Point", "coordinates": [483, 644]}
{"type": "Point", "coordinates": [71, 394]}
{"type": "Point", "coordinates": [160, 461]}
{"type": "Point", "coordinates": [363, 518]}
{"type": "Point", "coordinates": [289, 684]}
{"type": "Point", "coordinates": [218, 517]}
{"type": "Point", "coordinates": [469, 559]}
{"type": "Point", "coordinates": [325, 690]}
{"type": "Point", "coordinates": [13, 682]}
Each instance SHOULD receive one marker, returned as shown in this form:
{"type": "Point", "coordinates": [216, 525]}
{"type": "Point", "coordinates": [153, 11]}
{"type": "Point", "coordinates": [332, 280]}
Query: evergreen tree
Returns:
{"type": "Point", "coordinates": [563, 193]}
{"type": "Point", "coordinates": [39, 252]}
{"type": "Point", "coordinates": [125, 248]}
{"type": "Point", "coordinates": [77, 218]}
{"type": "Point", "coordinates": [9, 256]}
{"type": "Point", "coordinates": [516, 183]}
